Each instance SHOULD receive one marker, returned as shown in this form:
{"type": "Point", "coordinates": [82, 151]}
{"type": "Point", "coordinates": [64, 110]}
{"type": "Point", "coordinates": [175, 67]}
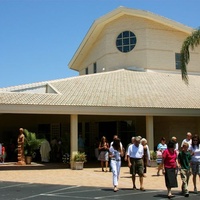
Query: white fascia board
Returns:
{"type": "Point", "coordinates": [83, 110]}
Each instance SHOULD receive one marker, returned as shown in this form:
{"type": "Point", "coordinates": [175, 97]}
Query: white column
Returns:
{"type": "Point", "coordinates": [149, 132]}
{"type": "Point", "coordinates": [73, 136]}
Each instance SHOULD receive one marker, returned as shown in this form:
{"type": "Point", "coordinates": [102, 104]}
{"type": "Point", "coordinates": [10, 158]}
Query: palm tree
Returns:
{"type": "Point", "coordinates": [190, 42]}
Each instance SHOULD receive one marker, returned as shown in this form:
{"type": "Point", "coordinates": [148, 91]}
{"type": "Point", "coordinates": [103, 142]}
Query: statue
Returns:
{"type": "Point", "coordinates": [20, 141]}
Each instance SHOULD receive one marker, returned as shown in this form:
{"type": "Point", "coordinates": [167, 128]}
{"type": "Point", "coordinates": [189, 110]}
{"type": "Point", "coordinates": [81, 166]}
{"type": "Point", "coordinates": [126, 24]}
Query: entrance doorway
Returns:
{"type": "Point", "coordinates": [107, 129]}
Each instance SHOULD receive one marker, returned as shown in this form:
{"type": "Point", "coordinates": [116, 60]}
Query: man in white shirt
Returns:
{"type": "Point", "coordinates": [174, 139]}
{"type": "Point", "coordinates": [135, 160]}
{"type": "Point", "coordinates": [188, 139]}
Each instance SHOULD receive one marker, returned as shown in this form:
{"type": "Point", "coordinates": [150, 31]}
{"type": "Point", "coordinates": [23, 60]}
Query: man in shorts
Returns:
{"type": "Point", "coordinates": [135, 159]}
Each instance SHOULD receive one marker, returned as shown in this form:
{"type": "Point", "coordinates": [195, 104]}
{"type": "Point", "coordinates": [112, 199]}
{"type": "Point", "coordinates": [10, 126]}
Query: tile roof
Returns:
{"type": "Point", "coordinates": [120, 88]}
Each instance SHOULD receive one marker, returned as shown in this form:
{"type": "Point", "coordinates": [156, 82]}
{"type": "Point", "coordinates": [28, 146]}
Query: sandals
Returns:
{"type": "Point", "coordinates": [142, 189]}
{"type": "Point", "coordinates": [170, 196]}
{"type": "Point", "coordinates": [115, 189]}
{"type": "Point", "coordinates": [134, 188]}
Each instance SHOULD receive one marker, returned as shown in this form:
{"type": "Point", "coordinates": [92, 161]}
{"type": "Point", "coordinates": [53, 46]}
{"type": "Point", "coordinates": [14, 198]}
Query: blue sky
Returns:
{"type": "Point", "coordinates": [39, 37]}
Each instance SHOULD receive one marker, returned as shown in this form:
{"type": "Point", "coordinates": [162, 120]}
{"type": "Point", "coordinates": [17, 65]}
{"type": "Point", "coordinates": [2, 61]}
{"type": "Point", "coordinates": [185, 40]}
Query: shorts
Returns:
{"type": "Point", "coordinates": [137, 166]}
{"type": "Point", "coordinates": [195, 168]}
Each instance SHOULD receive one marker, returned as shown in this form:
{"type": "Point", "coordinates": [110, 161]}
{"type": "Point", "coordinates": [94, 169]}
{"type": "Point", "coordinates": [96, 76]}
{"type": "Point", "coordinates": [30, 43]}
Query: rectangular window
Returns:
{"type": "Point", "coordinates": [95, 67]}
{"type": "Point", "coordinates": [86, 70]}
{"type": "Point", "coordinates": [178, 60]}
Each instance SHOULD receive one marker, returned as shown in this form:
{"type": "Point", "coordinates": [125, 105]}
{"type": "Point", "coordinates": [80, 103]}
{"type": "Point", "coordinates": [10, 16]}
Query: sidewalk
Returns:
{"type": "Point", "coordinates": [91, 175]}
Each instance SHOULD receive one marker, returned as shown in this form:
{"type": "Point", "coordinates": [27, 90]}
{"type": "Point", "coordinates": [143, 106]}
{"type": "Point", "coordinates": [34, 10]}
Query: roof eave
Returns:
{"type": "Point", "coordinates": [91, 110]}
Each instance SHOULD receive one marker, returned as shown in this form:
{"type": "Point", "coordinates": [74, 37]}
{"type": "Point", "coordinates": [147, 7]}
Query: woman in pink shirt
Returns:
{"type": "Point", "coordinates": [169, 160]}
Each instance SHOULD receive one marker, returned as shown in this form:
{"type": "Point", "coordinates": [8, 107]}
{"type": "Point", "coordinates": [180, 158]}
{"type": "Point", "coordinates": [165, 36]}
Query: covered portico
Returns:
{"type": "Point", "coordinates": [151, 110]}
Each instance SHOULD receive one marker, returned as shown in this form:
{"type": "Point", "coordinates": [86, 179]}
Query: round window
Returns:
{"type": "Point", "coordinates": [126, 41]}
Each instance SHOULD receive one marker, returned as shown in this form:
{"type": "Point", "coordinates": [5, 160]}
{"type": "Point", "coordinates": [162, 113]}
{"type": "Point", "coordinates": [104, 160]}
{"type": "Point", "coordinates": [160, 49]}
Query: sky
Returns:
{"type": "Point", "coordinates": [38, 38]}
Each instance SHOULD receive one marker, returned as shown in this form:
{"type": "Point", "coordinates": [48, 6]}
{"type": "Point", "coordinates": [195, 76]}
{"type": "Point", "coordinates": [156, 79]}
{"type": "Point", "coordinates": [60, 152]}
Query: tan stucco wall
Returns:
{"type": "Point", "coordinates": [155, 49]}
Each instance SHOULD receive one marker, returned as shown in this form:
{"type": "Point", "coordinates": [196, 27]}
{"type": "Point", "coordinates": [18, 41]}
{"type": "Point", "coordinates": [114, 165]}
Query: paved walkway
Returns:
{"type": "Point", "coordinates": [91, 175]}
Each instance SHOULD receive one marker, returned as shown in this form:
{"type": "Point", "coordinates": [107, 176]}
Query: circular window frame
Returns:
{"type": "Point", "coordinates": [126, 41]}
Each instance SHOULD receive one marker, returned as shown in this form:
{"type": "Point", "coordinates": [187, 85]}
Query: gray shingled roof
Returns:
{"type": "Point", "coordinates": [121, 88]}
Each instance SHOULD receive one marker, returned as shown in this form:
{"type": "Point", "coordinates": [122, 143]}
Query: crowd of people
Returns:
{"type": "Point", "coordinates": [137, 155]}
{"type": "Point", "coordinates": [172, 160]}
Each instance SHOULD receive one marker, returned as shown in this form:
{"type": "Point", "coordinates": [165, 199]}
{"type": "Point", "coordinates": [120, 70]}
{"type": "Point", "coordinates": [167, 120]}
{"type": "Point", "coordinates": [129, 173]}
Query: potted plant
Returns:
{"type": "Point", "coordinates": [31, 144]}
{"type": "Point", "coordinates": [78, 160]}
{"type": "Point", "coordinates": [153, 158]}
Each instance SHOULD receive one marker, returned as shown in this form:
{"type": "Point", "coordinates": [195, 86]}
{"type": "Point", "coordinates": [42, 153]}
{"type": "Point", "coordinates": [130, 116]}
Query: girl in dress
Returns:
{"type": "Point", "coordinates": [104, 153]}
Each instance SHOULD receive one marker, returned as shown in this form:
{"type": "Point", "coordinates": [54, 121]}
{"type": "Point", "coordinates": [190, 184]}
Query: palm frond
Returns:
{"type": "Point", "coordinates": [31, 142]}
{"type": "Point", "coordinates": [191, 41]}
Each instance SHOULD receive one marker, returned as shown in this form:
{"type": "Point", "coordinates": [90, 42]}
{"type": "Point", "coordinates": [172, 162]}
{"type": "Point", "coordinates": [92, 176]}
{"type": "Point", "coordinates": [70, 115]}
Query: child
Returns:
{"type": "Point", "coordinates": [2, 153]}
{"type": "Point", "coordinates": [184, 158]}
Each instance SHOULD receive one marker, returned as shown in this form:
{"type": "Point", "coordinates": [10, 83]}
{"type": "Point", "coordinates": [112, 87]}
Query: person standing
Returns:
{"type": "Point", "coordinates": [132, 142]}
{"type": "Point", "coordinates": [115, 137]}
{"type": "Point", "coordinates": [104, 153]}
{"type": "Point", "coordinates": [45, 151]}
{"type": "Point", "coordinates": [115, 153]}
{"type": "Point", "coordinates": [174, 139]}
{"type": "Point", "coordinates": [184, 158]}
{"type": "Point", "coordinates": [81, 143]}
{"type": "Point", "coordinates": [195, 161]}
{"type": "Point", "coordinates": [2, 153]}
{"type": "Point", "coordinates": [160, 149]}
{"type": "Point", "coordinates": [146, 157]}
{"type": "Point", "coordinates": [169, 163]}
{"type": "Point", "coordinates": [188, 139]}
{"type": "Point", "coordinates": [135, 159]}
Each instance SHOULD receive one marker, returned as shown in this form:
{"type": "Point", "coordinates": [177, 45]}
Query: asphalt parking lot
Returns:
{"type": "Point", "coordinates": [57, 181]}
{"type": "Point", "coordinates": [22, 191]}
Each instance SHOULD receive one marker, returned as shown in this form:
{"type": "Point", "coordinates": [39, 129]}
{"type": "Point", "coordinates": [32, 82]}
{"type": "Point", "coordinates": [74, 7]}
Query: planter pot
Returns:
{"type": "Point", "coordinates": [28, 160]}
{"type": "Point", "coordinates": [78, 165]}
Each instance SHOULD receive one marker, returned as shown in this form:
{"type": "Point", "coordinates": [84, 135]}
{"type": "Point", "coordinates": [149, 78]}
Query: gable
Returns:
{"type": "Point", "coordinates": [99, 25]}
{"type": "Point", "coordinates": [42, 88]}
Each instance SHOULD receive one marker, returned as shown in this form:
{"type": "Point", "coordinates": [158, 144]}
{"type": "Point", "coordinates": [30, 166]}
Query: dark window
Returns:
{"type": "Point", "coordinates": [95, 67]}
{"type": "Point", "coordinates": [178, 60]}
{"type": "Point", "coordinates": [126, 41]}
{"type": "Point", "coordinates": [86, 70]}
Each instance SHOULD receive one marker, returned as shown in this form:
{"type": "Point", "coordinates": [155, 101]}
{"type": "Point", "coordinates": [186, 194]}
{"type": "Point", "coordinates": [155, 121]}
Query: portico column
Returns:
{"type": "Point", "coordinates": [73, 136]}
{"type": "Point", "coordinates": [149, 132]}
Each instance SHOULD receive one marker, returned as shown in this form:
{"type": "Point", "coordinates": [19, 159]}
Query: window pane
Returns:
{"type": "Point", "coordinates": [125, 41]}
{"type": "Point", "coordinates": [119, 42]}
{"type": "Point", "coordinates": [126, 49]}
{"type": "Point", "coordinates": [178, 60]}
{"type": "Point", "coordinates": [120, 36]}
{"type": "Point", "coordinates": [120, 49]}
{"type": "Point", "coordinates": [133, 40]}
{"type": "Point", "coordinates": [126, 34]}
